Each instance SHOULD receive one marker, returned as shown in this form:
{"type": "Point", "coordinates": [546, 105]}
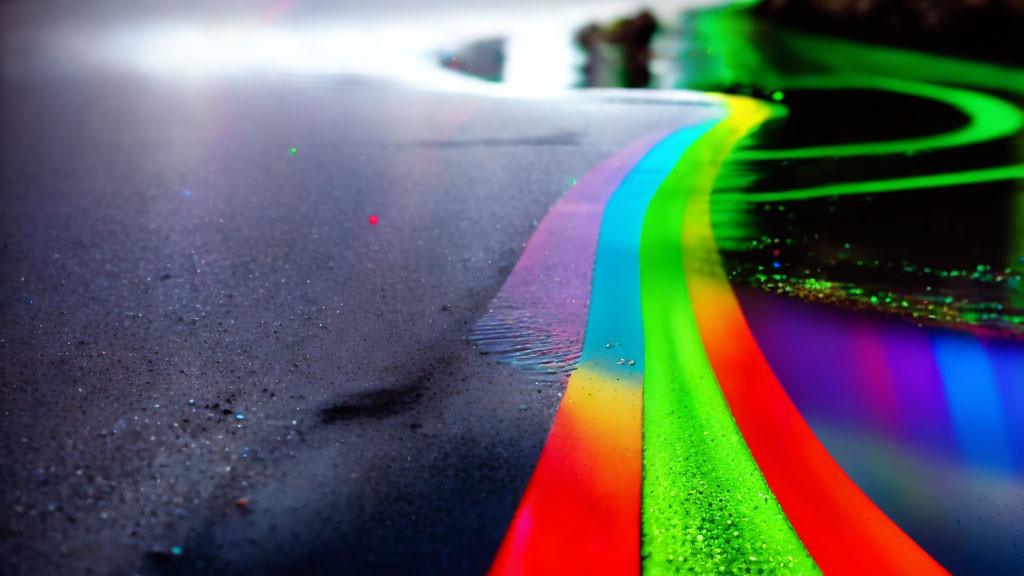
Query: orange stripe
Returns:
{"type": "Point", "coordinates": [581, 511]}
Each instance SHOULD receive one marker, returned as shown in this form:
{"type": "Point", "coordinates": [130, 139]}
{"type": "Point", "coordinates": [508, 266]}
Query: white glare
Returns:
{"type": "Point", "coordinates": [539, 53]}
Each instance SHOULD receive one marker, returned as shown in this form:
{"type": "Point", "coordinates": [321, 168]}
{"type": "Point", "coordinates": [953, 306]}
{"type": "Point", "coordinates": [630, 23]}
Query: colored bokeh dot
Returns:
{"type": "Point", "coordinates": [373, 220]}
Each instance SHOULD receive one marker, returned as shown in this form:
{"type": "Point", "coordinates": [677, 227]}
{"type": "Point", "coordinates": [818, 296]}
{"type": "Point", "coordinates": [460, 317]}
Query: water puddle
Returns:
{"type": "Point", "coordinates": [883, 186]}
{"type": "Point", "coordinates": [526, 339]}
{"type": "Point", "coordinates": [874, 230]}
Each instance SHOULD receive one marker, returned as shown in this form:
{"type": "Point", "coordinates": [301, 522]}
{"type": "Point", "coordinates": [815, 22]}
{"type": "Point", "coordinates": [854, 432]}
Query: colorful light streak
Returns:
{"type": "Point", "coordinates": [974, 401]}
{"type": "Point", "coordinates": [989, 118]}
{"type": "Point", "coordinates": [538, 319]}
{"type": "Point", "coordinates": [992, 120]}
{"type": "Point", "coordinates": [888, 186]}
{"type": "Point", "coordinates": [734, 478]}
{"type": "Point", "coordinates": [707, 508]}
{"type": "Point", "coordinates": [843, 530]}
{"type": "Point", "coordinates": [946, 470]}
{"type": "Point", "coordinates": [581, 510]}
{"type": "Point", "coordinates": [587, 483]}
{"type": "Point", "coordinates": [900, 381]}
{"type": "Point", "coordinates": [936, 401]}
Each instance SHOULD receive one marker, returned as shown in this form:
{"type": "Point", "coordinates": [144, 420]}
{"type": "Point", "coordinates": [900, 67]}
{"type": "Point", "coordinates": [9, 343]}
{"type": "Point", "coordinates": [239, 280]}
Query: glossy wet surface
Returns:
{"type": "Point", "coordinates": [168, 264]}
{"type": "Point", "coordinates": [895, 193]}
{"type": "Point", "coordinates": [874, 229]}
{"type": "Point", "coordinates": [213, 363]}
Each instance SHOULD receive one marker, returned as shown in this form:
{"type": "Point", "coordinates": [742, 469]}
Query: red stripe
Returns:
{"type": "Point", "coordinates": [842, 528]}
{"type": "Point", "coordinates": [581, 511]}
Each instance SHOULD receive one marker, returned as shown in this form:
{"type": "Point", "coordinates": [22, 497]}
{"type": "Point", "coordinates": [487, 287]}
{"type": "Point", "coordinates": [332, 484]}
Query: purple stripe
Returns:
{"type": "Point", "coordinates": [539, 317]}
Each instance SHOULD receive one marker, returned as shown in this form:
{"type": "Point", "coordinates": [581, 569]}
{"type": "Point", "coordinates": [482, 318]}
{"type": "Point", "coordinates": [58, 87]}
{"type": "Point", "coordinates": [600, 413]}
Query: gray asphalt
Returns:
{"type": "Point", "coordinates": [167, 266]}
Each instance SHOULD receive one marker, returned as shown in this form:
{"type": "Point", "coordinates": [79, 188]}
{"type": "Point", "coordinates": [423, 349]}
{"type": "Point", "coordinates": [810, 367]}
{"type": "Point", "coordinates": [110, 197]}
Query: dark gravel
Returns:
{"type": "Point", "coordinates": [168, 267]}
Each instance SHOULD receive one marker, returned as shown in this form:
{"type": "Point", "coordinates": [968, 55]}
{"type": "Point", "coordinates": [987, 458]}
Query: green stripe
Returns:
{"type": "Point", "coordinates": [706, 506]}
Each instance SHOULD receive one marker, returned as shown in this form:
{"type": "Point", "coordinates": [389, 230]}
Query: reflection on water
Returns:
{"type": "Point", "coordinates": [618, 55]}
{"type": "Point", "coordinates": [874, 230]}
{"type": "Point", "coordinates": [928, 422]}
{"type": "Point", "coordinates": [483, 59]}
{"type": "Point", "coordinates": [881, 186]}
{"type": "Point", "coordinates": [890, 183]}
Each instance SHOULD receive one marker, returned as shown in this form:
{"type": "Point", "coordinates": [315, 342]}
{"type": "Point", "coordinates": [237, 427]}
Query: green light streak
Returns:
{"type": "Point", "coordinates": [990, 118]}
{"type": "Point", "coordinates": [736, 51]}
{"type": "Point", "coordinates": [880, 186]}
{"type": "Point", "coordinates": [878, 60]}
{"type": "Point", "coordinates": [698, 473]}
{"type": "Point", "coordinates": [717, 53]}
{"type": "Point", "coordinates": [706, 506]}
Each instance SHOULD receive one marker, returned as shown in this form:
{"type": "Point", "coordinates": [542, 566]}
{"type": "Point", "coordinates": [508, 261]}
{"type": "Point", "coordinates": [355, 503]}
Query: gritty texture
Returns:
{"type": "Point", "coordinates": [706, 506]}
{"type": "Point", "coordinates": [211, 363]}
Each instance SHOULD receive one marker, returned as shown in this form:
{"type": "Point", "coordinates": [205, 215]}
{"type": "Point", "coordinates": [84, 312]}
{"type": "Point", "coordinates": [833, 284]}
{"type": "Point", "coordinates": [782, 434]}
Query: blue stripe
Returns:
{"type": "Point", "coordinates": [1008, 366]}
{"type": "Point", "coordinates": [615, 316]}
{"type": "Point", "coordinates": [975, 405]}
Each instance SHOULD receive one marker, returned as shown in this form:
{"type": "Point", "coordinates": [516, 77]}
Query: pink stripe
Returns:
{"type": "Point", "coordinates": [552, 278]}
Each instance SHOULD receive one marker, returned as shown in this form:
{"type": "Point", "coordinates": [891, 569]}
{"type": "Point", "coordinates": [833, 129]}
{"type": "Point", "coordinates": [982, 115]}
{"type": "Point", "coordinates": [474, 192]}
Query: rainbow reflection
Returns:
{"type": "Point", "coordinates": [709, 430]}
{"type": "Point", "coordinates": [706, 505]}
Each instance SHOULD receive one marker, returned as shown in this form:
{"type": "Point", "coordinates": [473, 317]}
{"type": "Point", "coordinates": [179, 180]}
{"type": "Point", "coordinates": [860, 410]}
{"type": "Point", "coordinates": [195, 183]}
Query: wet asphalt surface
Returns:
{"type": "Point", "coordinates": [210, 361]}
